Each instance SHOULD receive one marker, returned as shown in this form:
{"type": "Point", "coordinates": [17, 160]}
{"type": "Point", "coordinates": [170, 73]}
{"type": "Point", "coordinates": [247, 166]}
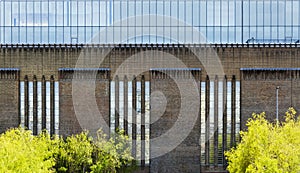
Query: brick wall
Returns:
{"type": "Point", "coordinates": [84, 100]}
{"type": "Point", "coordinates": [182, 103]}
{"type": "Point", "coordinates": [46, 59]}
{"type": "Point", "coordinates": [9, 98]}
{"type": "Point", "coordinates": [258, 92]}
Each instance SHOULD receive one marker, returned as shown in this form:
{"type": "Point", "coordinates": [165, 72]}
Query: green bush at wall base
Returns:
{"type": "Point", "coordinates": [20, 151]}
{"type": "Point", "coordinates": [267, 147]}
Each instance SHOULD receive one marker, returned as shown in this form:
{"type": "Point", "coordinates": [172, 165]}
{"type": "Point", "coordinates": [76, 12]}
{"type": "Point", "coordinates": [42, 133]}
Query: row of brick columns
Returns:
{"type": "Point", "coordinates": [257, 94]}
{"type": "Point", "coordinates": [43, 105]}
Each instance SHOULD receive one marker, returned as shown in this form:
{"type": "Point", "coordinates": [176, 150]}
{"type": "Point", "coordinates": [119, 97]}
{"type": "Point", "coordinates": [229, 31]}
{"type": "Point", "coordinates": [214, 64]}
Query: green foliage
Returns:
{"type": "Point", "coordinates": [111, 154]}
{"type": "Point", "coordinates": [20, 151]}
{"type": "Point", "coordinates": [267, 147]}
{"type": "Point", "coordinates": [75, 153]}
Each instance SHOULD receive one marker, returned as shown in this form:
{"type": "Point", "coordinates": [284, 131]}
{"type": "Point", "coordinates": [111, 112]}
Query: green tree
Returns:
{"type": "Point", "coordinates": [267, 147]}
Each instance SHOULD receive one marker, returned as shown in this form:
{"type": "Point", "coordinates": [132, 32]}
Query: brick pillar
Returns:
{"type": "Point", "coordinates": [35, 107]}
{"type": "Point", "coordinates": [76, 103]}
{"type": "Point", "coordinates": [9, 100]}
{"type": "Point", "coordinates": [258, 91]}
{"type": "Point", "coordinates": [179, 112]}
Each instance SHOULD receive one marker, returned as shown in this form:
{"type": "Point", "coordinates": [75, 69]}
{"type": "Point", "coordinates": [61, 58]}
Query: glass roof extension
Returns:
{"type": "Point", "coordinates": [149, 21]}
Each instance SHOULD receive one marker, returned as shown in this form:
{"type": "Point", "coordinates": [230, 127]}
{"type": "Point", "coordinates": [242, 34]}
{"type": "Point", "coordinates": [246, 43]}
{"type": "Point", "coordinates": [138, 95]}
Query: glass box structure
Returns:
{"type": "Point", "coordinates": [219, 21]}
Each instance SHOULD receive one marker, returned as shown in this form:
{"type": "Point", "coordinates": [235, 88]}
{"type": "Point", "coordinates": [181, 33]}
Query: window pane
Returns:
{"type": "Point", "coordinates": [274, 15]}
{"type": "Point", "coordinates": [217, 13]}
{"type": "Point", "coordinates": [296, 12]}
{"type": "Point", "coordinates": [174, 9]}
{"type": "Point", "coordinates": [15, 14]}
{"type": "Point", "coordinates": [181, 12]}
{"type": "Point", "coordinates": [274, 32]}
{"type": "Point", "coordinates": [231, 38]}
{"type": "Point", "coordinates": [281, 12]}
{"type": "Point", "coordinates": [52, 35]}
{"type": "Point", "coordinates": [45, 16]}
{"type": "Point", "coordinates": [60, 13]}
{"type": "Point", "coordinates": [15, 36]}
{"type": "Point", "coordinates": [60, 35]}
{"type": "Point", "coordinates": [22, 34]}
{"type": "Point", "coordinates": [260, 13]}
{"type": "Point", "coordinates": [7, 15]}
{"type": "Point", "coordinates": [81, 13]}
{"type": "Point", "coordinates": [210, 17]}
{"type": "Point", "coordinates": [74, 13]}
{"type": "Point", "coordinates": [67, 38]}
{"type": "Point", "coordinates": [288, 12]}
{"type": "Point", "coordinates": [195, 14]}
{"type": "Point", "coordinates": [203, 11]}
{"type": "Point", "coordinates": [253, 12]}
{"type": "Point", "coordinates": [30, 34]}
{"type": "Point", "coordinates": [51, 16]}
{"type": "Point", "coordinates": [267, 13]}
{"type": "Point", "coordinates": [246, 14]}
{"type": "Point", "coordinates": [224, 34]}
{"type": "Point", "coordinates": [232, 14]}
{"type": "Point", "coordinates": [238, 13]}
{"type": "Point", "coordinates": [37, 34]}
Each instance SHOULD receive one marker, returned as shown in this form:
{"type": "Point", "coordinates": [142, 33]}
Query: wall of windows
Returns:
{"type": "Point", "coordinates": [220, 21]}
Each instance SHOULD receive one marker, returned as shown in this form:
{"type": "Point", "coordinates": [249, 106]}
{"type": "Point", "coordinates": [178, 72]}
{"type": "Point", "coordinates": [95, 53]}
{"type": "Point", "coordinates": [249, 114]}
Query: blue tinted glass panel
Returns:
{"type": "Point", "coordinates": [60, 13]}
{"type": "Point", "coordinates": [60, 35]}
{"type": "Point", "coordinates": [23, 35]}
{"type": "Point", "coordinates": [67, 33]}
{"type": "Point", "coordinates": [288, 12]}
{"type": "Point", "coordinates": [37, 34]}
{"type": "Point", "coordinates": [221, 21]}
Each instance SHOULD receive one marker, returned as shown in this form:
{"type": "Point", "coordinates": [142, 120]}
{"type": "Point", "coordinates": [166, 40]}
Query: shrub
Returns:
{"type": "Point", "coordinates": [113, 154]}
{"type": "Point", "coordinates": [20, 151]}
{"type": "Point", "coordinates": [75, 153]}
{"type": "Point", "coordinates": [81, 153]}
{"type": "Point", "coordinates": [267, 147]}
